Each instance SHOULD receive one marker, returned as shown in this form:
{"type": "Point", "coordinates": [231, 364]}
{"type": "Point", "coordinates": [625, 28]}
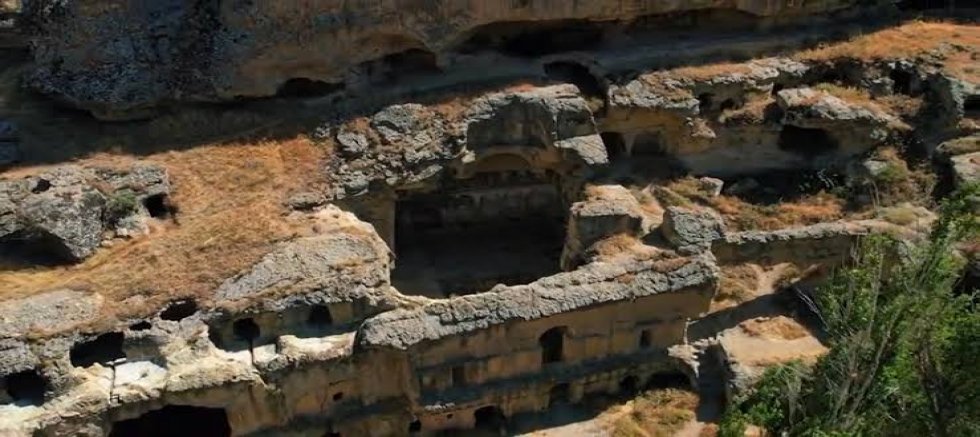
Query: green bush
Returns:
{"type": "Point", "coordinates": [121, 204]}
{"type": "Point", "coordinates": [903, 346]}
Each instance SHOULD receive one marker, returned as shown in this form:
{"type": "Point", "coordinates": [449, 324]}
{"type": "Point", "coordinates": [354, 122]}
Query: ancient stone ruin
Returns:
{"type": "Point", "coordinates": [418, 217]}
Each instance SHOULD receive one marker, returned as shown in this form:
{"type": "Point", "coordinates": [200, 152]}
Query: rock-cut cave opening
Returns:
{"type": "Point", "coordinates": [490, 418]}
{"type": "Point", "coordinates": [175, 420]}
{"type": "Point", "coordinates": [105, 349]}
{"type": "Point", "coordinates": [27, 387]}
{"type": "Point", "coordinates": [806, 141]}
{"type": "Point", "coordinates": [494, 228]}
{"type": "Point", "coordinates": [533, 39]}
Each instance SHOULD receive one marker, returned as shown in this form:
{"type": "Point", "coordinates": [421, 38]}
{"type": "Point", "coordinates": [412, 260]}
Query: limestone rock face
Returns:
{"type": "Point", "coordinates": [58, 208]}
{"type": "Point", "coordinates": [342, 264]}
{"type": "Point", "coordinates": [64, 212]}
{"type": "Point", "coordinates": [611, 210]}
{"type": "Point", "coordinates": [409, 144]}
{"type": "Point", "coordinates": [692, 230]}
{"type": "Point", "coordinates": [122, 58]}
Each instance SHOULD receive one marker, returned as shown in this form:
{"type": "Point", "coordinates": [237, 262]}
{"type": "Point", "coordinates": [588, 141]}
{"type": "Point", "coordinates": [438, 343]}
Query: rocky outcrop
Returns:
{"type": "Point", "coordinates": [592, 284]}
{"type": "Point", "coordinates": [407, 146]}
{"type": "Point", "coordinates": [609, 210]}
{"type": "Point", "coordinates": [64, 212]}
{"type": "Point", "coordinates": [692, 231]}
{"type": "Point", "coordinates": [122, 59]}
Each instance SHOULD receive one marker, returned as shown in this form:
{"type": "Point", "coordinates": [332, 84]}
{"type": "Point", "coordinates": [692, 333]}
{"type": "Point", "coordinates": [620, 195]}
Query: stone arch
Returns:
{"type": "Point", "coordinates": [552, 344]}
{"type": "Point", "coordinates": [490, 418]}
{"type": "Point", "coordinates": [560, 394]}
{"type": "Point", "coordinates": [629, 385]}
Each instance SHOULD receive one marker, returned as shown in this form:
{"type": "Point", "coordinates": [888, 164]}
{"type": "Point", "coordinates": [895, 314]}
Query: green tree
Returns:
{"type": "Point", "coordinates": [903, 345]}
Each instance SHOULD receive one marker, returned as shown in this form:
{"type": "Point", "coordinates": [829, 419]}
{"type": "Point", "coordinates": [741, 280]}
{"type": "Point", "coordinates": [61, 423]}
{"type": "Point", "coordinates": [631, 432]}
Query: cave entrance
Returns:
{"type": "Point", "coordinates": [971, 106]}
{"type": "Point", "coordinates": [175, 420]}
{"type": "Point", "coordinates": [500, 226]}
{"type": "Point", "coordinates": [105, 349]}
{"type": "Point", "coordinates": [592, 88]}
{"type": "Point", "coordinates": [27, 387]}
{"type": "Point", "coordinates": [552, 344]}
{"type": "Point", "coordinates": [629, 385]}
{"type": "Point", "coordinates": [179, 310]}
{"type": "Point", "coordinates": [615, 145]}
{"type": "Point", "coordinates": [666, 380]}
{"type": "Point", "coordinates": [538, 38]}
{"type": "Point", "coordinates": [901, 81]}
{"type": "Point", "coordinates": [649, 145]}
{"type": "Point", "coordinates": [806, 141]}
{"type": "Point", "coordinates": [490, 418]}
{"type": "Point", "coordinates": [158, 206]}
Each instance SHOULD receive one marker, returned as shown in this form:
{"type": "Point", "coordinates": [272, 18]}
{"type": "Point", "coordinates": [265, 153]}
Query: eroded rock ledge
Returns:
{"type": "Point", "coordinates": [122, 59]}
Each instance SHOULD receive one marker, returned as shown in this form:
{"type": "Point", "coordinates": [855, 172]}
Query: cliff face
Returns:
{"type": "Point", "coordinates": [121, 58]}
{"type": "Point", "coordinates": [620, 212]}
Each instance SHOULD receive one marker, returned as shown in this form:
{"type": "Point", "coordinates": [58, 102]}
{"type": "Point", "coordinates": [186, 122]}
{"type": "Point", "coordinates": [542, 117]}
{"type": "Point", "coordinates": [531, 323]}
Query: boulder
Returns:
{"type": "Point", "coordinates": [64, 212]}
{"type": "Point", "coordinates": [692, 231]}
{"type": "Point", "coordinates": [610, 210]}
{"type": "Point", "coordinates": [966, 168]}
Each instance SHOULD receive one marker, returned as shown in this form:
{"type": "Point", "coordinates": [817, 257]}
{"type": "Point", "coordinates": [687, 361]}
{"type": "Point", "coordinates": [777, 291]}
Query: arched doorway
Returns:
{"type": "Point", "coordinates": [490, 419]}
{"type": "Point", "coordinates": [552, 344]}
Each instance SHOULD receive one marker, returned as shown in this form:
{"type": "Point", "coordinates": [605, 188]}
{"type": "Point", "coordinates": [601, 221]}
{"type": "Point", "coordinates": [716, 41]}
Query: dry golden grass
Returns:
{"type": "Point", "coordinates": [779, 327]}
{"type": "Point", "coordinates": [656, 413]}
{"type": "Point", "coordinates": [901, 183]}
{"type": "Point", "coordinates": [709, 71]}
{"type": "Point", "coordinates": [230, 200]}
{"type": "Point", "coordinates": [742, 215]}
{"type": "Point", "coordinates": [737, 284]}
{"type": "Point", "coordinates": [752, 112]}
{"type": "Point", "coordinates": [910, 39]}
